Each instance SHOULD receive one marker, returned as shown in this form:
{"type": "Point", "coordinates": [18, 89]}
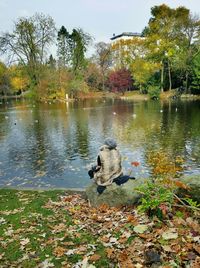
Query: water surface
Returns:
{"type": "Point", "coordinates": [52, 144]}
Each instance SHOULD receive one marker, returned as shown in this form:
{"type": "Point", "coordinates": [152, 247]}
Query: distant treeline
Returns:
{"type": "Point", "coordinates": [165, 57]}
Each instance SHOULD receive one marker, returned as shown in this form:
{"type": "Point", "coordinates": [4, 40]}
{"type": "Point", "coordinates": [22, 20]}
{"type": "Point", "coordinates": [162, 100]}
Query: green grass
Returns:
{"type": "Point", "coordinates": [23, 217]}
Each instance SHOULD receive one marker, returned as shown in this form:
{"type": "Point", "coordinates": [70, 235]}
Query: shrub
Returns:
{"type": "Point", "coordinates": [157, 199]}
{"type": "Point", "coordinates": [154, 92]}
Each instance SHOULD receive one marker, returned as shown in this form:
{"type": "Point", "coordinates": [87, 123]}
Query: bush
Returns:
{"type": "Point", "coordinates": [76, 86]}
{"type": "Point", "coordinates": [157, 199]}
{"type": "Point", "coordinates": [154, 92]}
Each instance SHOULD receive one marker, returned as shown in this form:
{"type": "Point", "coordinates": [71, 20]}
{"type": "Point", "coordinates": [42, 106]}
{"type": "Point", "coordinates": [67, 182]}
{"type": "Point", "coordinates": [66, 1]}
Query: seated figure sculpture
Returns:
{"type": "Point", "coordinates": [108, 168]}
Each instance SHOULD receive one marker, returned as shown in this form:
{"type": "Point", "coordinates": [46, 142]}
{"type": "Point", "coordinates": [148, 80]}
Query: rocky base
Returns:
{"type": "Point", "coordinates": [115, 195]}
{"type": "Point", "coordinates": [193, 182]}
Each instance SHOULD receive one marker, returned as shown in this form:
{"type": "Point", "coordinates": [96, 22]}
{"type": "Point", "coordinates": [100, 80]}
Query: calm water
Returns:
{"type": "Point", "coordinates": [52, 144]}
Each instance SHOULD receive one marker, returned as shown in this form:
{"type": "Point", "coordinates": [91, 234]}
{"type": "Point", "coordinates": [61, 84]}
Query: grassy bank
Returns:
{"type": "Point", "coordinates": [55, 229]}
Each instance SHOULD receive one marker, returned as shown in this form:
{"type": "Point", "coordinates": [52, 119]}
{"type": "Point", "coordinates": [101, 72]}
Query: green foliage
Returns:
{"type": "Point", "coordinates": [196, 75]}
{"type": "Point", "coordinates": [154, 196]}
{"type": "Point", "coordinates": [191, 202]}
{"type": "Point", "coordinates": [28, 43]}
{"type": "Point", "coordinates": [72, 47]}
{"type": "Point", "coordinates": [4, 80]}
{"type": "Point", "coordinates": [31, 94]}
{"type": "Point", "coordinates": [63, 47]}
{"type": "Point", "coordinates": [169, 36]}
{"type": "Point", "coordinates": [154, 92]}
{"type": "Point", "coordinates": [103, 59]}
{"type": "Point", "coordinates": [77, 85]}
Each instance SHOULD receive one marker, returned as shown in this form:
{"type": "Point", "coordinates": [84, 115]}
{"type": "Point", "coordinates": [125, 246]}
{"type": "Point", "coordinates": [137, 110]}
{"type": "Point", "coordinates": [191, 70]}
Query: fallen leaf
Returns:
{"type": "Point", "coordinates": [167, 248]}
{"type": "Point", "coordinates": [197, 248]}
{"type": "Point", "coordinates": [170, 234]}
{"type": "Point", "coordinates": [196, 263]}
{"type": "Point", "coordinates": [24, 241]}
{"type": "Point", "coordinates": [135, 163]}
{"type": "Point", "coordinates": [141, 228]}
{"type": "Point", "coordinates": [70, 252]}
{"type": "Point", "coordinates": [59, 251]}
{"type": "Point", "coordinates": [113, 240]}
{"type": "Point", "coordinates": [110, 253]}
{"type": "Point", "coordinates": [95, 257]}
{"type": "Point", "coordinates": [46, 264]}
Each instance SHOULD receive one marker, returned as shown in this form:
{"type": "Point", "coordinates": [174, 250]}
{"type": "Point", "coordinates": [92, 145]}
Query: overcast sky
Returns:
{"type": "Point", "coordinates": [100, 18]}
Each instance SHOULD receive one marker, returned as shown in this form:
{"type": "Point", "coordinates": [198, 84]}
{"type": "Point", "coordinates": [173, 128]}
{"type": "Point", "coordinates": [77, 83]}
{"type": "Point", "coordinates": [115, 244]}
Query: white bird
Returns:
{"type": "Point", "coordinates": [161, 111]}
{"type": "Point", "coordinates": [134, 115]}
{"type": "Point", "coordinates": [176, 109]}
{"type": "Point", "coordinates": [114, 113]}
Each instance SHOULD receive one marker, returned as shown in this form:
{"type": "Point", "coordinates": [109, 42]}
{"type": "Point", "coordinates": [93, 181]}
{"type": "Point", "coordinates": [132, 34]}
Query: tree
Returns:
{"type": "Point", "coordinates": [103, 59]}
{"type": "Point", "coordinates": [125, 51]}
{"type": "Point", "coordinates": [64, 47]}
{"type": "Point", "coordinates": [92, 75]}
{"type": "Point", "coordinates": [165, 36]}
{"type": "Point", "coordinates": [28, 43]}
{"type": "Point", "coordinates": [196, 74]}
{"type": "Point", "coordinates": [4, 80]}
{"type": "Point", "coordinates": [72, 47]}
{"type": "Point", "coordinates": [18, 79]}
{"type": "Point", "coordinates": [51, 62]}
{"type": "Point", "coordinates": [79, 43]}
{"type": "Point", "coordinates": [142, 70]}
{"type": "Point", "coordinates": [120, 81]}
{"type": "Point", "coordinates": [188, 47]}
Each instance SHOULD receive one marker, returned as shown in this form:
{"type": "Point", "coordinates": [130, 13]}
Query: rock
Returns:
{"type": "Point", "coordinates": [193, 181]}
{"type": "Point", "coordinates": [152, 256]}
{"type": "Point", "coordinates": [115, 195]}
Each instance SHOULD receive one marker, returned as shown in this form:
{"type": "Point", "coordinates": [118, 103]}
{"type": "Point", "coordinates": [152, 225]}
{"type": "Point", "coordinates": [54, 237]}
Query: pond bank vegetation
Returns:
{"type": "Point", "coordinates": [163, 57]}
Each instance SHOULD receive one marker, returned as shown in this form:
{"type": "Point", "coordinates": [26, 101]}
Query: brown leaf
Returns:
{"type": "Point", "coordinates": [103, 208]}
{"type": "Point", "coordinates": [59, 251]}
{"type": "Point", "coordinates": [197, 248]}
{"type": "Point", "coordinates": [122, 240]}
{"type": "Point", "coordinates": [144, 236]}
{"type": "Point", "coordinates": [67, 198]}
{"type": "Point", "coordinates": [182, 185]}
{"type": "Point", "coordinates": [95, 257]}
{"type": "Point", "coordinates": [122, 256]}
{"type": "Point", "coordinates": [105, 239]}
{"type": "Point", "coordinates": [132, 219]}
{"type": "Point", "coordinates": [196, 263]}
{"type": "Point", "coordinates": [127, 263]}
{"type": "Point", "coordinates": [110, 253]}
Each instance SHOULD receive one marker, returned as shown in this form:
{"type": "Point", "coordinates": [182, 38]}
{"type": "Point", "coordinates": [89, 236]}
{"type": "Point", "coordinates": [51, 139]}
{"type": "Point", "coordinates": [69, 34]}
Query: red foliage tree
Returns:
{"type": "Point", "coordinates": [120, 81]}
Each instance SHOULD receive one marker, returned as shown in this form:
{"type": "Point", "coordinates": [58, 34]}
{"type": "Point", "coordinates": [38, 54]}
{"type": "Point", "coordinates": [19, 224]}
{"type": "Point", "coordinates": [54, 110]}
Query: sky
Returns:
{"type": "Point", "coordinates": [100, 18]}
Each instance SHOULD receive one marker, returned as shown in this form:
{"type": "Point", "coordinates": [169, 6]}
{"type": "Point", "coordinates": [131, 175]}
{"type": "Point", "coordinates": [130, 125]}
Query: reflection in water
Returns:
{"type": "Point", "coordinates": [50, 145]}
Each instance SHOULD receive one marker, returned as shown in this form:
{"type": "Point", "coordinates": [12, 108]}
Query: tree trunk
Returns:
{"type": "Point", "coordinates": [162, 78]}
{"type": "Point", "coordinates": [103, 83]}
{"type": "Point", "coordinates": [169, 73]}
{"type": "Point", "coordinates": [140, 88]}
{"type": "Point", "coordinates": [186, 82]}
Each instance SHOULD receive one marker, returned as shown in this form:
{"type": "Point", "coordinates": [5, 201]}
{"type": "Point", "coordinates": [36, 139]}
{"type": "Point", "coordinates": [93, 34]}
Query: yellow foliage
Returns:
{"type": "Point", "coordinates": [164, 165]}
{"type": "Point", "coordinates": [18, 83]}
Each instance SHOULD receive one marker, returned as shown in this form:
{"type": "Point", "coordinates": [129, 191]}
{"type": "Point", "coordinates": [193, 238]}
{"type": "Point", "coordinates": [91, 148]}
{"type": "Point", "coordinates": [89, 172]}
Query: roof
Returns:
{"type": "Point", "coordinates": [125, 34]}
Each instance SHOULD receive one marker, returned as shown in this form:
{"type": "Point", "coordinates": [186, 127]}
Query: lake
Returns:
{"type": "Point", "coordinates": [51, 145]}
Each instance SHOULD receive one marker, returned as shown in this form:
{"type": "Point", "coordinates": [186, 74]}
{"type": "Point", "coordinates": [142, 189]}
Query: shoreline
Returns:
{"type": "Point", "coordinates": [129, 95]}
